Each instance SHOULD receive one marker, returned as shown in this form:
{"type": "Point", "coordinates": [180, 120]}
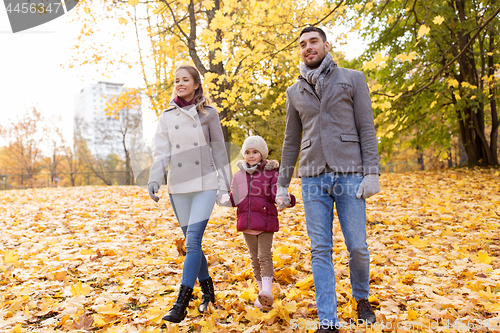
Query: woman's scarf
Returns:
{"type": "Point", "coordinates": [182, 103]}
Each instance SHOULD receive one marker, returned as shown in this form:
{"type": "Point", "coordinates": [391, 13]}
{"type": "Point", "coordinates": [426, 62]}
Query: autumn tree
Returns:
{"type": "Point", "coordinates": [126, 108]}
{"type": "Point", "coordinates": [434, 68]}
{"type": "Point", "coordinates": [54, 143]}
{"type": "Point", "coordinates": [91, 162]}
{"type": "Point", "coordinates": [241, 48]}
{"type": "Point", "coordinates": [23, 150]}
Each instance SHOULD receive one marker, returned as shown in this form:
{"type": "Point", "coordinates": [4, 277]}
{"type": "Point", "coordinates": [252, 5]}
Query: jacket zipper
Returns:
{"type": "Point", "coordinates": [249, 197]}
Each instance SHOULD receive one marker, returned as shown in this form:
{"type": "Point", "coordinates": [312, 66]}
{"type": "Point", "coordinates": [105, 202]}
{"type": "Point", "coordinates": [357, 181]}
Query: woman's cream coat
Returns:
{"type": "Point", "coordinates": [190, 145]}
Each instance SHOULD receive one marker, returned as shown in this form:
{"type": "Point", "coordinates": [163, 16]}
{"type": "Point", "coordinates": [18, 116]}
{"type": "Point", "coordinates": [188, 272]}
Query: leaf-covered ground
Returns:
{"type": "Point", "coordinates": [107, 259]}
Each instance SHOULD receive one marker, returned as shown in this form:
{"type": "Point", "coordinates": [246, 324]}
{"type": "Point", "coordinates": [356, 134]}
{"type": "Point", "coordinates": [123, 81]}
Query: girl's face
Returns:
{"type": "Point", "coordinates": [184, 85]}
{"type": "Point", "coordinates": [252, 156]}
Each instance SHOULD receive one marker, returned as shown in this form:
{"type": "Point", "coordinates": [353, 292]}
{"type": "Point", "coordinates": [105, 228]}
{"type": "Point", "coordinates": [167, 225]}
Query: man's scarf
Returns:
{"type": "Point", "coordinates": [316, 76]}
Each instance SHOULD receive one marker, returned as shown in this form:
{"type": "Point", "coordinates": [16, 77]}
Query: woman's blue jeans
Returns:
{"type": "Point", "coordinates": [192, 211]}
{"type": "Point", "coordinates": [319, 194]}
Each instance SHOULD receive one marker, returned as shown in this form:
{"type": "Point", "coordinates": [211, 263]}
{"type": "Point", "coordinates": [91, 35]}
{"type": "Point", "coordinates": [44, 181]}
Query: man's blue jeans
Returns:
{"type": "Point", "coordinates": [319, 195]}
{"type": "Point", "coordinates": [193, 211]}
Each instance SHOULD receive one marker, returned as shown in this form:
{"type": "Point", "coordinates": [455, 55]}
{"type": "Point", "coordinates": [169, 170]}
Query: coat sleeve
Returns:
{"type": "Point", "coordinates": [363, 115]}
{"type": "Point", "coordinates": [291, 143]}
{"type": "Point", "coordinates": [161, 154]}
{"type": "Point", "coordinates": [234, 196]}
{"type": "Point", "coordinates": [219, 152]}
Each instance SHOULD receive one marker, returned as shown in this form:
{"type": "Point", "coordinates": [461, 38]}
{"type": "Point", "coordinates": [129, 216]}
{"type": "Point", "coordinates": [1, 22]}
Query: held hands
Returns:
{"type": "Point", "coordinates": [282, 197]}
{"type": "Point", "coordinates": [369, 186]}
{"type": "Point", "coordinates": [224, 198]}
{"type": "Point", "coordinates": [220, 197]}
{"type": "Point", "coordinates": [152, 190]}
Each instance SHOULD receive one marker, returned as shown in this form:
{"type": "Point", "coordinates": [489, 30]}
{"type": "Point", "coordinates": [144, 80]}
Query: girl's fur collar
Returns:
{"type": "Point", "coordinates": [266, 164]}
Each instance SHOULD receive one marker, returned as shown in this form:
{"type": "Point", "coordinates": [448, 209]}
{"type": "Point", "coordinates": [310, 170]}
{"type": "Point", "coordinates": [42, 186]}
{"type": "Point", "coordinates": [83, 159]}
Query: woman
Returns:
{"type": "Point", "coordinates": [189, 141]}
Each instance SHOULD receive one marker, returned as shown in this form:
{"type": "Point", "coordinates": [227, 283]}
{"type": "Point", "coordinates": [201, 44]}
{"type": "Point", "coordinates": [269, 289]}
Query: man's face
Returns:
{"type": "Point", "coordinates": [312, 49]}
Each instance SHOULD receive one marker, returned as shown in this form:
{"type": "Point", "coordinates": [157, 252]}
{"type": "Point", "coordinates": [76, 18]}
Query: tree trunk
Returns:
{"type": "Point", "coordinates": [420, 158]}
{"type": "Point", "coordinates": [493, 103]}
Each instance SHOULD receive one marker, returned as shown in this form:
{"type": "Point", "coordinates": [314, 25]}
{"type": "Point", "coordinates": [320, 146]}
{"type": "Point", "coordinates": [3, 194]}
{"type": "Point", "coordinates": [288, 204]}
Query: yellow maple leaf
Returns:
{"type": "Point", "coordinates": [109, 309]}
{"type": "Point", "coordinates": [417, 242]}
{"type": "Point", "coordinates": [253, 315]}
{"type": "Point", "coordinates": [208, 4]}
{"type": "Point", "coordinates": [133, 2]}
{"type": "Point", "coordinates": [412, 314]}
{"type": "Point", "coordinates": [369, 65]}
{"type": "Point", "coordinates": [492, 306]}
{"type": "Point", "coordinates": [453, 83]}
{"type": "Point", "coordinates": [155, 314]}
{"type": "Point", "coordinates": [483, 258]}
{"type": "Point", "coordinates": [438, 20]}
{"type": "Point", "coordinates": [306, 283]}
{"type": "Point", "coordinates": [80, 289]}
{"type": "Point", "coordinates": [423, 30]}
{"type": "Point", "coordinates": [10, 257]}
{"type": "Point", "coordinates": [122, 20]}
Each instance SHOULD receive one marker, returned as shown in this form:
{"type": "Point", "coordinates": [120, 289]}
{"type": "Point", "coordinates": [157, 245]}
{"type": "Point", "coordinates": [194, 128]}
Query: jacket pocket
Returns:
{"type": "Point", "coordinates": [305, 144]}
{"type": "Point", "coordinates": [349, 137]}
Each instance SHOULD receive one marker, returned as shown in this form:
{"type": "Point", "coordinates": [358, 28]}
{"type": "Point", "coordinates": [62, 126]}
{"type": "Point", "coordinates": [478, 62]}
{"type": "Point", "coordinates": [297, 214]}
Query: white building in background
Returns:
{"type": "Point", "coordinates": [102, 133]}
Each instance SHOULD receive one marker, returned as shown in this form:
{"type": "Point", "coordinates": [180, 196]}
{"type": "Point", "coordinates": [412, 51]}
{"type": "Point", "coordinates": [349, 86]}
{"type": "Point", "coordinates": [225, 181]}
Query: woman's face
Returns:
{"type": "Point", "coordinates": [184, 85]}
{"type": "Point", "coordinates": [252, 156]}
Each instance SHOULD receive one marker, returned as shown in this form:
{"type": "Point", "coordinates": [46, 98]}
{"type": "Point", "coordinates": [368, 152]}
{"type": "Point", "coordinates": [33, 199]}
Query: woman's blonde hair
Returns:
{"type": "Point", "coordinates": [199, 97]}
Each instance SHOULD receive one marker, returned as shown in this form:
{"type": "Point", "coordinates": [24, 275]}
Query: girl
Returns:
{"type": "Point", "coordinates": [254, 192]}
{"type": "Point", "coordinates": [189, 141]}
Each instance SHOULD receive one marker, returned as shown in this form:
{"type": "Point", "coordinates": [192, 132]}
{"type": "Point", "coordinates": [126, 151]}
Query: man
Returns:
{"type": "Point", "coordinates": [339, 165]}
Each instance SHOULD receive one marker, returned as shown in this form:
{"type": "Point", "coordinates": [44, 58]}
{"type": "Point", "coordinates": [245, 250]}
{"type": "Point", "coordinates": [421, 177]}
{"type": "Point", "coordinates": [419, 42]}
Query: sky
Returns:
{"type": "Point", "coordinates": [31, 73]}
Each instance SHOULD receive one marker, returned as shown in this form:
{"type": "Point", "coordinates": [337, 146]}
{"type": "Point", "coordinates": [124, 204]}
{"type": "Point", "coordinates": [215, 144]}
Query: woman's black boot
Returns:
{"type": "Point", "coordinates": [207, 288]}
{"type": "Point", "coordinates": [178, 311]}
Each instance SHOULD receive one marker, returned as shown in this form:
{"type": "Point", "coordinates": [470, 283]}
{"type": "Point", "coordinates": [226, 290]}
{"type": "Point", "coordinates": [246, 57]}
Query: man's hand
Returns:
{"type": "Point", "coordinates": [282, 197]}
{"type": "Point", "coordinates": [152, 190]}
{"type": "Point", "coordinates": [224, 198]}
{"type": "Point", "coordinates": [369, 186]}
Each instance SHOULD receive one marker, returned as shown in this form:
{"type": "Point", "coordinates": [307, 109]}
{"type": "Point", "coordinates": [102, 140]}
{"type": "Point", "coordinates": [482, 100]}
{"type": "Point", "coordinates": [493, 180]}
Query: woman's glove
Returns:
{"type": "Point", "coordinates": [369, 186]}
{"type": "Point", "coordinates": [152, 190]}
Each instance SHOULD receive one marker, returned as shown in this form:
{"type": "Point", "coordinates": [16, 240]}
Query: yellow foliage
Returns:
{"type": "Point", "coordinates": [483, 257]}
{"type": "Point", "coordinates": [453, 83]}
{"type": "Point", "coordinates": [306, 283]}
{"type": "Point", "coordinates": [438, 20]}
{"type": "Point", "coordinates": [80, 289]}
{"type": "Point", "coordinates": [10, 256]}
{"type": "Point", "coordinates": [423, 30]}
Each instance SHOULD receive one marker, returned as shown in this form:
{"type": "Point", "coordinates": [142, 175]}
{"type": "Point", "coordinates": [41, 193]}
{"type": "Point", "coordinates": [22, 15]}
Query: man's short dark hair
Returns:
{"type": "Point", "coordinates": [316, 29]}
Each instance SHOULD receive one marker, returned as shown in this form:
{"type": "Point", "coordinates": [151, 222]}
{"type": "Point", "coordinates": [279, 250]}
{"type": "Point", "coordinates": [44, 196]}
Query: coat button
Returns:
{"type": "Point", "coordinates": [194, 125]}
{"type": "Point", "coordinates": [176, 126]}
{"type": "Point", "coordinates": [196, 143]}
{"type": "Point", "coordinates": [197, 162]}
{"type": "Point", "coordinates": [179, 165]}
{"type": "Point", "coordinates": [177, 146]}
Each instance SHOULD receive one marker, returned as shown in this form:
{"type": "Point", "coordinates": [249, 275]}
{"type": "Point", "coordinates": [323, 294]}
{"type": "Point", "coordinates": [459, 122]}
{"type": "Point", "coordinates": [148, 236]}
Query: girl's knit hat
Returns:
{"type": "Point", "coordinates": [255, 142]}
